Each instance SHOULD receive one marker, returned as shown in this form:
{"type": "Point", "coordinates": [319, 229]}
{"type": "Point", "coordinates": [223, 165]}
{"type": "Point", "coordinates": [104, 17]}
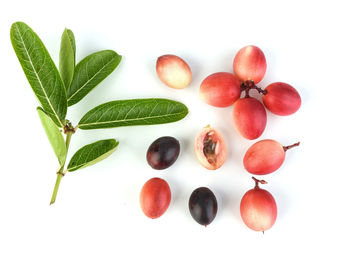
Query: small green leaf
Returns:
{"type": "Point", "coordinates": [133, 112]}
{"type": "Point", "coordinates": [40, 71]}
{"type": "Point", "coordinates": [54, 135]}
{"type": "Point", "coordinates": [67, 57]}
{"type": "Point", "coordinates": [92, 153]}
{"type": "Point", "coordinates": [90, 72]}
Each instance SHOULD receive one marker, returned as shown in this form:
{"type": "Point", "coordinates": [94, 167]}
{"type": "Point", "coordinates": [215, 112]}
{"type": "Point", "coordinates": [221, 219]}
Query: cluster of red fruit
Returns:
{"type": "Point", "coordinates": [249, 115]}
{"type": "Point", "coordinates": [222, 89]}
{"type": "Point", "coordinates": [258, 207]}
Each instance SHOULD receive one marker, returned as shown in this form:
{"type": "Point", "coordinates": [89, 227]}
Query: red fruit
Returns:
{"type": "Point", "coordinates": [220, 89]}
{"type": "Point", "coordinates": [249, 117]}
{"type": "Point", "coordinates": [265, 157]}
{"type": "Point", "coordinates": [250, 64]}
{"type": "Point", "coordinates": [210, 148]}
{"type": "Point", "coordinates": [258, 208]}
{"type": "Point", "coordinates": [155, 197]}
{"type": "Point", "coordinates": [173, 71]}
{"type": "Point", "coordinates": [281, 99]}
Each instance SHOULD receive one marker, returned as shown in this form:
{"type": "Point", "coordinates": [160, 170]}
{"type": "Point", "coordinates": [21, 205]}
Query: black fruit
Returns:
{"type": "Point", "coordinates": [203, 205]}
{"type": "Point", "coordinates": [163, 152]}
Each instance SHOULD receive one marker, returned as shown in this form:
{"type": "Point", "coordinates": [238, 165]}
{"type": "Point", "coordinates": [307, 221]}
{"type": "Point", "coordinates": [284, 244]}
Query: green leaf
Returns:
{"type": "Point", "coordinates": [67, 57]}
{"type": "Point", "coordinates": [92, 153]}
{"type": "Point", "coordinates": [90, 72]}
{"type": "Point", "coordinates": [54, 135]}
{"type": "Point", "coordinates": [133, 112]}
{"type": "Point", "coordinates": [40, 71]}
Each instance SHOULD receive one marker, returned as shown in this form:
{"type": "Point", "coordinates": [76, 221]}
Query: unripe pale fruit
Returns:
{"type": "Point", "coordinates": [249, 117]}
{"type": "Point", "coordinates": [258, 208]}
{"type": "Point", "coordinates": [210, 148]}
{"type": "Point", "coordinates": [155, 197]}
{"type": "Point", "coordinates": [220, 89]}
{"type": "Point", "coordinates": [173, 71]}
{"type": "Point", "coordinates": [250, 64]}
{"type": "Point", "coordinates": [281, 99]}
{"type": "Point", "coordinates": [265, 157]}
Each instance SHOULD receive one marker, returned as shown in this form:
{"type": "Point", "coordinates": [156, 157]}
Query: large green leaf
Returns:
{"type": "Point", "coordinates": [90, 72]}
{"type": "Point", "coordinates": [92, 153]}
{"type": "Point", "coordinates": [40, 71]}
{"type": "Point", "coordinates": [133, 112]}
{"type": "Point", "coordinates": [54, 135]}
{"type": "Point", "coordinates": [67, 57]}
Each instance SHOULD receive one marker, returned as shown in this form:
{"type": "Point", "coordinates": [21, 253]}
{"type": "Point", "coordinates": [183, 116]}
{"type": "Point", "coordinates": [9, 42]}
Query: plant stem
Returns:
{"type": "Point", "coordinates": [69, 136]}
{"type": "Point", "coordinates": [57, 184]}
{"type": "Point", "coordinates": [60, 173]}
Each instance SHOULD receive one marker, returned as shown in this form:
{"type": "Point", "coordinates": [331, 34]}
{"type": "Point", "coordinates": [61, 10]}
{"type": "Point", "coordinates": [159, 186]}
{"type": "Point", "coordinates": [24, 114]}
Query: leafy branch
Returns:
{"type": "Point", "coordinates": [57, 89]}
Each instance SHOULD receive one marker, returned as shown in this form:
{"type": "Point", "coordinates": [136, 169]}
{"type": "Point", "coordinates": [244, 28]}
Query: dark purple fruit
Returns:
{"type": "Point", "coordinates": [203, 205]}
{"type": "Point", "coordinates": [163, 152]}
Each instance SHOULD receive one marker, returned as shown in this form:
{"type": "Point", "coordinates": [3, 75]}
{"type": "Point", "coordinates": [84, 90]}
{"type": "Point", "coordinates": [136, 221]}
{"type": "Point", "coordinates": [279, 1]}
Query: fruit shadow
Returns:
{"type": "Point", "coordinates": [228, 201]}
{"type": "Point", "coordinates": [177, 196]}
{"type": "Point", "coordinates": [283, 202]}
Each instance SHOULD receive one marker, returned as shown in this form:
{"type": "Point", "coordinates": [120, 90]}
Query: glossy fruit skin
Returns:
{"type": "Point", "coordinates": [203, 205]}
{"type": "Point", "coordinates": [250, 64]}
{"type": "Point", "coordinates": [249, 117]}
{"type": "Point", "coordinates": [210, 148]}
{"type": "Point", "coordinates": [258, 209]}
{"type": "Point", "coordinates": [220, 89]}
{"type": "Point", "coordinates": [155, 197]}
{"type": "Point", "coordinates": [264, 157]}
{"type": "Point", "coordinates": [163, 152]}
{"type": "Point", "coordinates": [173, 71]}
{"type": "Point", "coordinates": [281, 99]}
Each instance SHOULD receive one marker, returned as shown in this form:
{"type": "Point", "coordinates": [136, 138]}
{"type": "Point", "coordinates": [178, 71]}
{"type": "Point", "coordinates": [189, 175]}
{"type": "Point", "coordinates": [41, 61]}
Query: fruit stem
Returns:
{"type": "Point", "coordinates": [291, 146]}
{"type": "Point", "coordinates": [248, 85]}
{"type": "Point", "coordinates": [60, 172]}
{"type": "Point", "coordinates": [262, 91]}
{"type": "Point", "coordinates": [258, 181]}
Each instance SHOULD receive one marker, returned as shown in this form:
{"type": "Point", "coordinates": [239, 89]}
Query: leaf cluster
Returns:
{"type": "Point", "coordinates": [59, 88]}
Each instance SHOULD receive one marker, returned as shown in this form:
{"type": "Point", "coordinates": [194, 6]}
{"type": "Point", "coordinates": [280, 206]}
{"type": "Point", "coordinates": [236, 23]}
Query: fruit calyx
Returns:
{"type": "Point", "coordinates": [258, 181]}
{"type": "Point", "coordinates": [285, 148]}
{"type": "Point", "coordinates": [248, 85]}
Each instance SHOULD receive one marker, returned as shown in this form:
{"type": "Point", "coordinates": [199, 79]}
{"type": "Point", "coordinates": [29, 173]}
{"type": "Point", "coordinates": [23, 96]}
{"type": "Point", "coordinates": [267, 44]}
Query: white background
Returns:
{"type": "Point", "coordinates": [97, 211]}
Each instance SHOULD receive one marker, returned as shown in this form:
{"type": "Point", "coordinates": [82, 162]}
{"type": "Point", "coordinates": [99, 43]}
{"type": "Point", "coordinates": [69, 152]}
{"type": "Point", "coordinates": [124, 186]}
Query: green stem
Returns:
{"type": "Point", "coordinates": [60, 173]}
{"type": "Point", "coordinates": [69, 136]}
{"type": "Point", "coordinates": [57, 184]}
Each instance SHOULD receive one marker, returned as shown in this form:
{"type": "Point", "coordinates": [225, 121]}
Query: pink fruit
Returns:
{"type": "Point", "coordinates": [173, 71]}
{"type": "Point", "coordinates": [258, 208]}
{"type": "Point", "coordinates": [249, 117]}
{"type": "Point", "coordinates": [155, 197]}
{"type": "Point", "coordinates": [220, 89]}
{"type": "Point", "coordinates": [250, 64]}
{"type": "Point", "coordinates": [210, 148]}
{"type": "Point", "coordinates": [281, 99]}
{"type": "Point", "coordinates": [265, 157]}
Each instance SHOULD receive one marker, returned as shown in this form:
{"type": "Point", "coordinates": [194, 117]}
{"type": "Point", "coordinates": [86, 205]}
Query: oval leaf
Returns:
{"type": "Point", "coordinates": [91, 154]}
{"type": "Point", "coordinates": [40, 71]}
{"type": "Point", "coordinates": [90, 72]}
{"type": "Point", "coordinates": [54, 135]}
{"type": "Point", "coordinates": [133, 112]}
{"type": "Point", "coordinates": [67, 57]}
